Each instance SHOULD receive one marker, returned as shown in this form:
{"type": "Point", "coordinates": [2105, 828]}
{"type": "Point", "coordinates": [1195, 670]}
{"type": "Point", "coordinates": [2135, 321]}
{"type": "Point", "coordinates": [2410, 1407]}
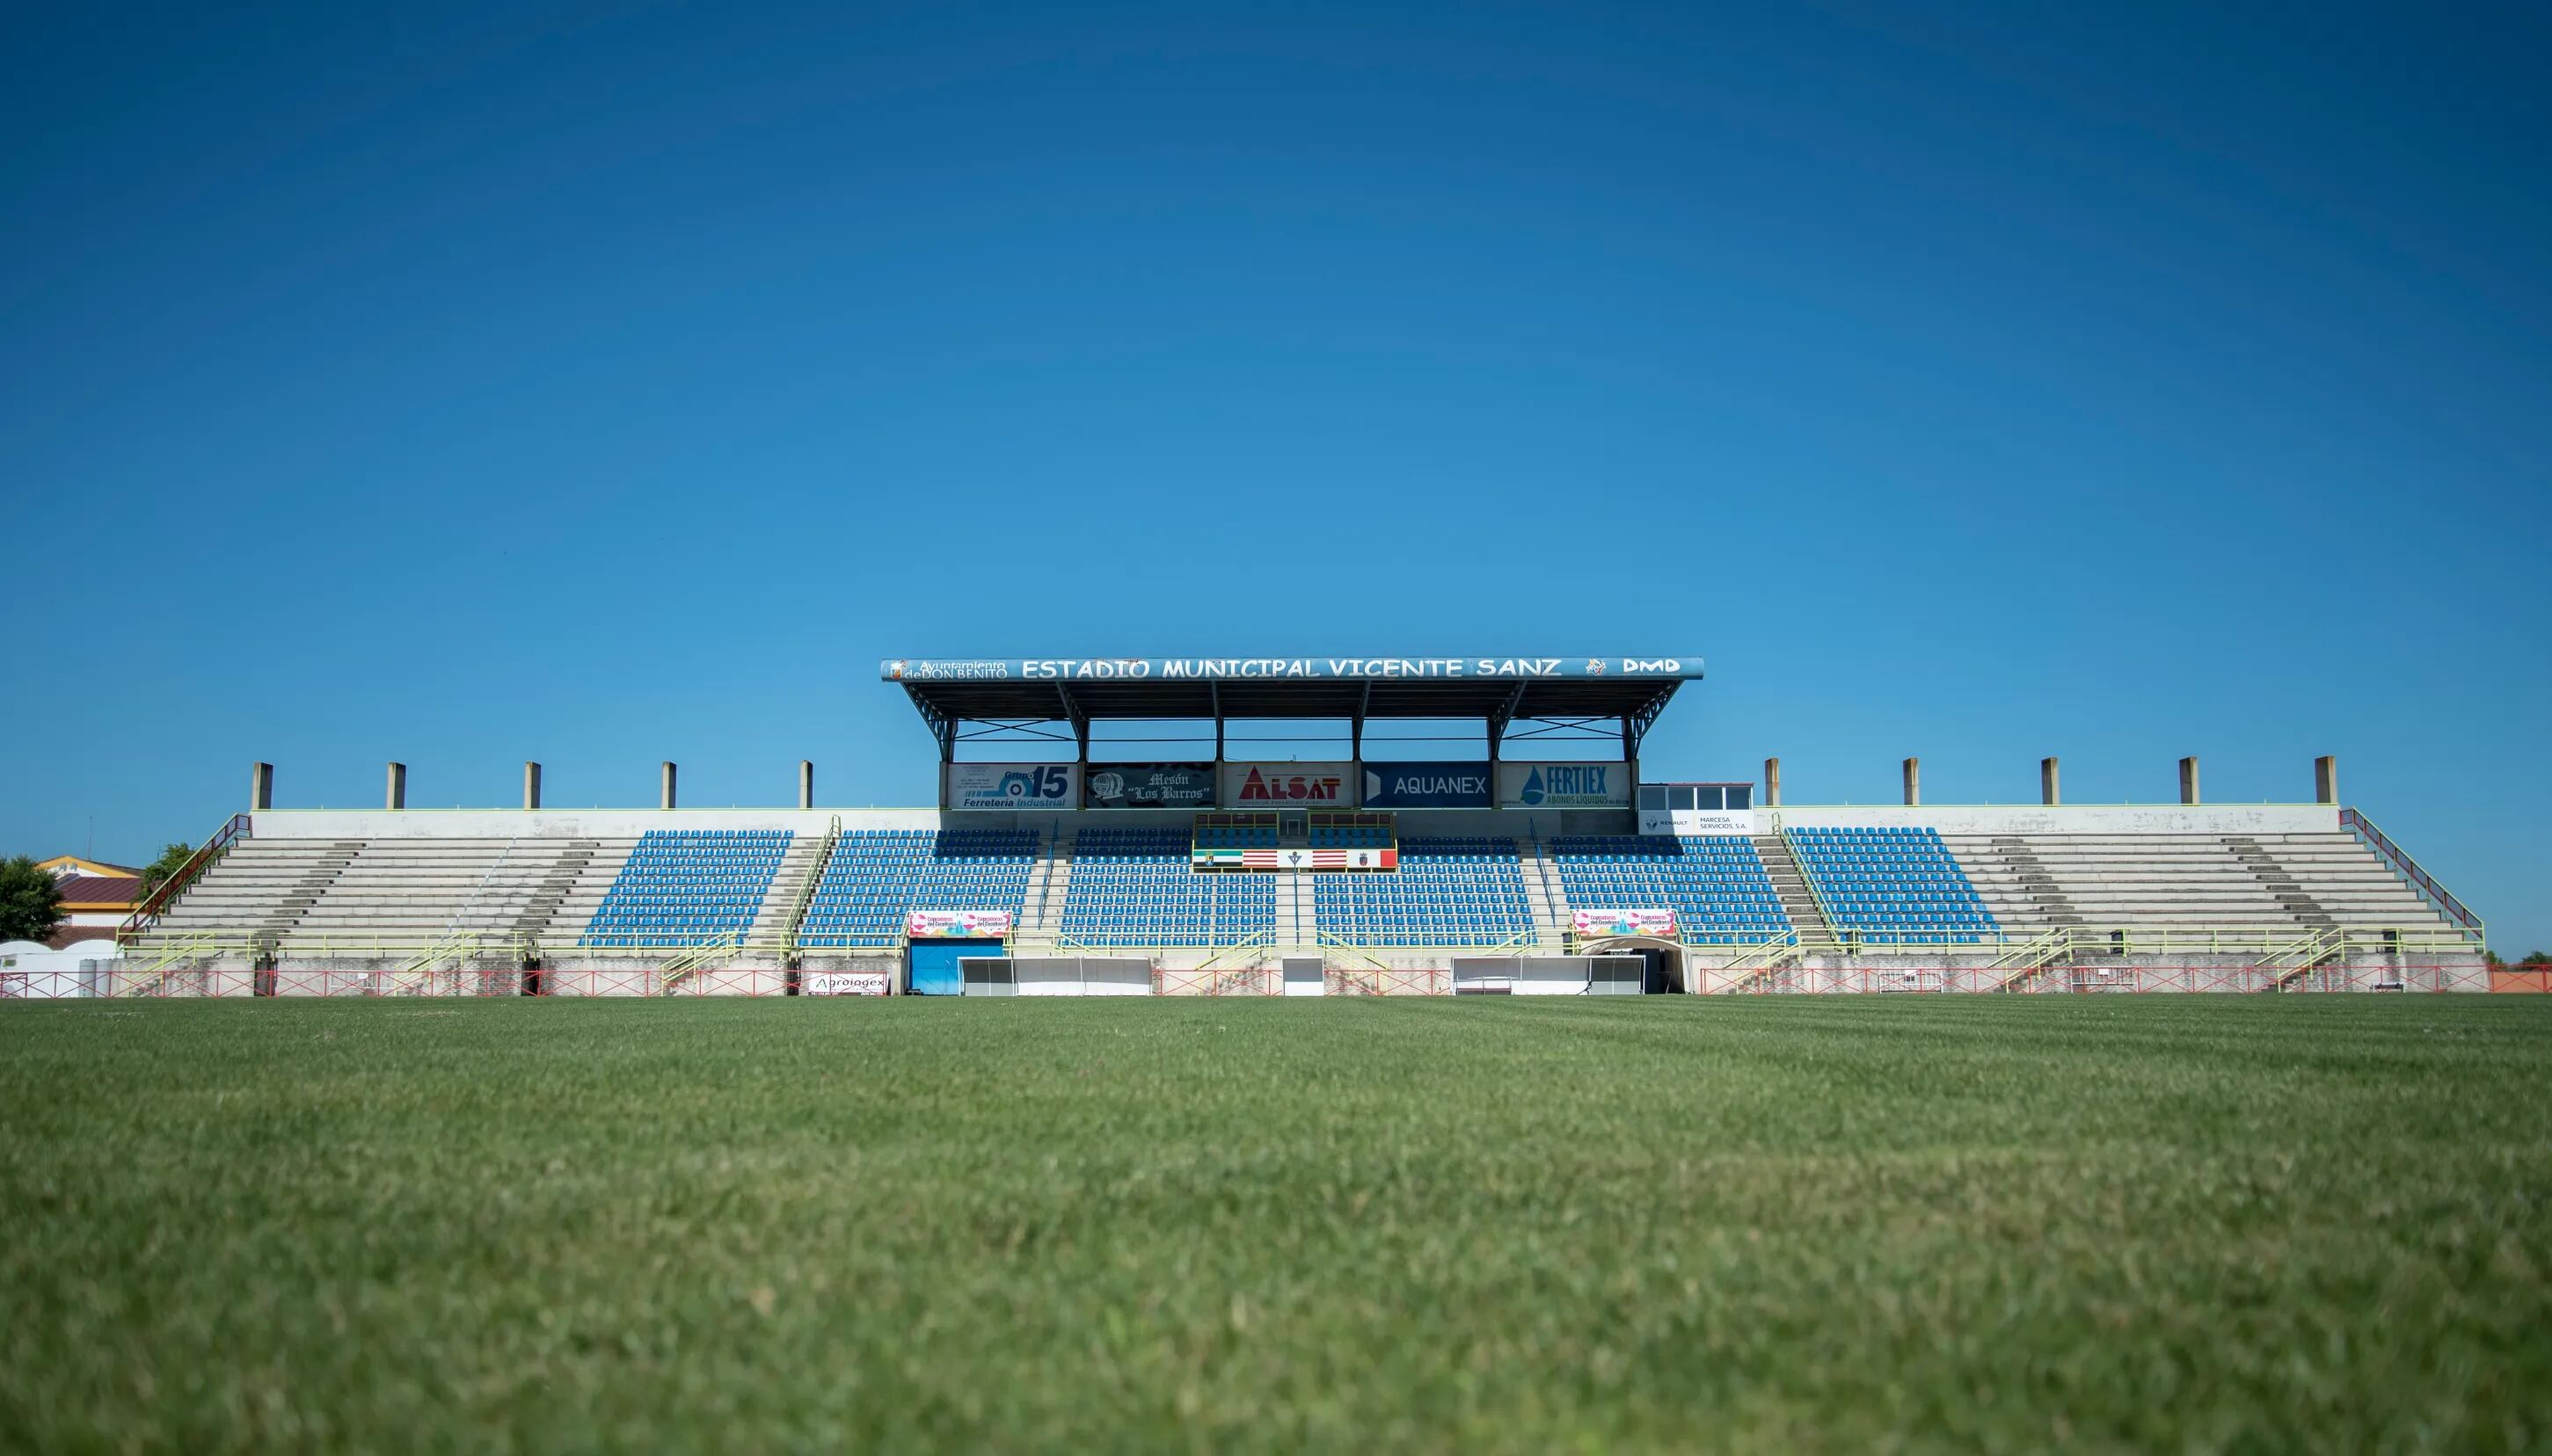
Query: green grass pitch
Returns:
{"type": "Point", "coordinates": [2316, 1223]}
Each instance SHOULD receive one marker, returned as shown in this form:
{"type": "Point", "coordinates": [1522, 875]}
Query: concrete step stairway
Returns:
{"type": "Point", "coordinates": [2013, 856]}
{"type": "Point", "coordinates": [1049, 884]}
{"type": "Point", "coordinates": [1543, 895]}
{"type": "Point", "coordinates": [553, 890]}
{"type": "Point", "coordinates": [769, 925]}
{"type": "Point", "coordinates": [321, 873]}
{"type": "Point", "coordinates": [2281, 883]}
{"type": "Point", "coordinates": [1798, 901]}
{"type": "Point", "coordinates": [1296, 910]}
{"type": "Point", "coordinates": [584, 896]}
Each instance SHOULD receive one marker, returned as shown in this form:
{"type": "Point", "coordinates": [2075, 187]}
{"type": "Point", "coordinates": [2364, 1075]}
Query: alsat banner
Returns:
{"type": "Point", "coordinates": [957, 924]}
{"type": "Point", "coordinates": [1565, 786]}
{"type": "Point", "coordinates": [1428, 785]}
{"type": "Point", "coordinates": [1148, 786]}
{"type": "Point", "coordinates": [1658, 923]}
{"type": "Point", "coordinates": [1288, 785]}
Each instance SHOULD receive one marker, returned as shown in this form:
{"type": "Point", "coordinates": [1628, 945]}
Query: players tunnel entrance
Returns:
{"type": "Point", "coordinates": [931, 966]}
{"type": "Point", "coordinates": [1661, 960]}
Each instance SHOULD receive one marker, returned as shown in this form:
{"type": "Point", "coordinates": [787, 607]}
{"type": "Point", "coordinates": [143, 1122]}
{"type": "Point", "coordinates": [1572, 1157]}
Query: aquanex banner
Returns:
{"type": "Point", "coordinates": [1428, 785]}
{"type": "Point", "coordinates": [1348, 669]}
{"type": "Point", "coordinates": [1148, 786]}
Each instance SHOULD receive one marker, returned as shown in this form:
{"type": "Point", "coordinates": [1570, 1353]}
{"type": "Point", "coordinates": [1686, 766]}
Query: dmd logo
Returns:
{"type": "Point", "coordinates": [1563, 786]}
{"type": "Point", "coordinates": [1651, 664]}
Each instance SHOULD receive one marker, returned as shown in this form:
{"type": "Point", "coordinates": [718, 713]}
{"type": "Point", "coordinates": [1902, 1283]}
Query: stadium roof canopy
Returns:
{"type": "Point", "coordinates": [1498, 690]}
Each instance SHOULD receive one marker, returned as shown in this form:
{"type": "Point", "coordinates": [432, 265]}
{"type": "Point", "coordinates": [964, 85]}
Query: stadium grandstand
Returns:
{"type": "Point", "coordinates": [1514, 870]}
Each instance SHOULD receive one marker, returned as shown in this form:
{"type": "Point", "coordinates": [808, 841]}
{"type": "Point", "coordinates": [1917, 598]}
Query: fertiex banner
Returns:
{"type": "Point", "coordinates": [1288, 785]}
{"type": "Point", "coordinates": [1148, 786]}
{"type": "Point", "coordinates": [1426, 786]}
{"type": "Point", "coordinates": [1091, 670]}
{"type": "Point", "coordinates": [956, 924]}
{"type": "Point", "coordinates": [1565, 786]}
{"type": "Point", "coordinates": [1659, 923]}
{"type": "Point", "coordinates": [1013, 786]}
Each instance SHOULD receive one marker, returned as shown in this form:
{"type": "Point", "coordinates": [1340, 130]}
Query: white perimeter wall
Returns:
{"type": "Point", "coordinates": [2060, 818]}
{"type": "Point", "coordinates": [630, 823]}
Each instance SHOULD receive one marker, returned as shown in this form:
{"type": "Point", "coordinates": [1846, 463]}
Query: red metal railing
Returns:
{"type": "Point", "coordinates": [156, 903]}
{"type": "Point", "coordinates": [2409, 868]}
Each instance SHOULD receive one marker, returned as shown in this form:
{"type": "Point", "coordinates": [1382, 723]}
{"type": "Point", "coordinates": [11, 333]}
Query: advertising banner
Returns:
{"type": "Point", "coordinates": [1055, 787]}
{"type": "Point", "coordinates": [1289, 786]}
{"type": "Point", "coordinates": [1428, 785]}
{"type": "Point", "coordinates": [1148, 786]}
{"type": "Point", "coordinates": [844, 982]}
{"type": "Point", "coordinates": [1565, 786]}
{"type": "Point", "coordinates": [1494, 668]}
{"type": "Point", "coordinates": [1696, 821]}
{"type": "Point", "coordinates": [956, 924]}
{"type": "Point", "coordinates": [1659, 923]}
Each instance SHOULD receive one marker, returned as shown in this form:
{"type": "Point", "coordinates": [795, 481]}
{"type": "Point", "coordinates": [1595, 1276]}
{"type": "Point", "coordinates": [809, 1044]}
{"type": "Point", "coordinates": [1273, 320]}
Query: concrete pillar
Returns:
{"type": "Point", "coordinates": [2326, 779]}
{"type": "Point", "coordinates": [394, 791]}
{"type": "Point", "coordinates": [667, 802]}
{"type": "Point", "coordinates": [2189, 780]}
{"type": "Point", "coordinates": [261, 787]}
{"type": "Point", "coordinates": [2049, 791]}
{"type": "Point", "coordinates": [1913, 780]}
{"type": "Point", "coordinates": [805, 783]}
{"type": "Point", "coordinates": [531, 785]}
{"type": "Point", "coordinates": [1772, 783]}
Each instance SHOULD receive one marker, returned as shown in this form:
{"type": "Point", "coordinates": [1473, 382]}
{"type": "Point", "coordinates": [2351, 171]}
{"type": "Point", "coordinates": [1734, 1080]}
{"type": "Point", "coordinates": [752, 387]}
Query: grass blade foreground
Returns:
{"type": "Point", "coordinates": [1605, 1224]}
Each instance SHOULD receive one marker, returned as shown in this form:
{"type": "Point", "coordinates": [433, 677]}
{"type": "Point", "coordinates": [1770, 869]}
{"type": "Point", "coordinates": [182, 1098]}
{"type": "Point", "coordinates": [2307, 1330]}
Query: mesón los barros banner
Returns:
{"type": "Point", "coordinates": [1565, 786]}
{"type": "Point", "coordinates": [1428, 785]}
{"type": "Point", "coordinates": [1148, 786]}
{"type": "Point", "coordinates": [1054, 786]}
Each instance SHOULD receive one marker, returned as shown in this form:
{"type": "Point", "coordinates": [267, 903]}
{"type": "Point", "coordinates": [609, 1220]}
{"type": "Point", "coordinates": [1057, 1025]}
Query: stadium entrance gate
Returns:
{"type": "Point", "coordinates": [934, 968]}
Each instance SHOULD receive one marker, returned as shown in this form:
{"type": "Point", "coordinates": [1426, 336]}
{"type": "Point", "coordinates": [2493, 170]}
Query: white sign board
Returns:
{"type": "Point", "coordinates": [1565, 786]}
{"type": "Point", "coordinates": [1055, 787]}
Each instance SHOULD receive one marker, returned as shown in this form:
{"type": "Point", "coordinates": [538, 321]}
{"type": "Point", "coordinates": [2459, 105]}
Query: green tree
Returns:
{"type": "Point", "coordinates": [31, 904]}
{"type": "Point", "coordinates": [2539, 961]}
{"type": "Point", "coordinates": [170, 861]}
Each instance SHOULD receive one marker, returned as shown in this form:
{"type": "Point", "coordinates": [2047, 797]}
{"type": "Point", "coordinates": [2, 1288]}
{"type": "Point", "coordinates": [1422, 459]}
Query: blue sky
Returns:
{"type": "Point", "coordinates": [603, 384]}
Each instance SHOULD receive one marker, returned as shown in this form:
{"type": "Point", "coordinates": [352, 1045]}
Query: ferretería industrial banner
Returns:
{"type": "Point", "coordinates": [1289, 786]}
{"type": "Point", "coordinates": [1565, 786]}
{"type": "Point", "coordinates": [1149, 786]}
{"type": "Point", "coordinates": [1054, 786]}
{"type": "Point", "coordinates": [1432, 786]}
